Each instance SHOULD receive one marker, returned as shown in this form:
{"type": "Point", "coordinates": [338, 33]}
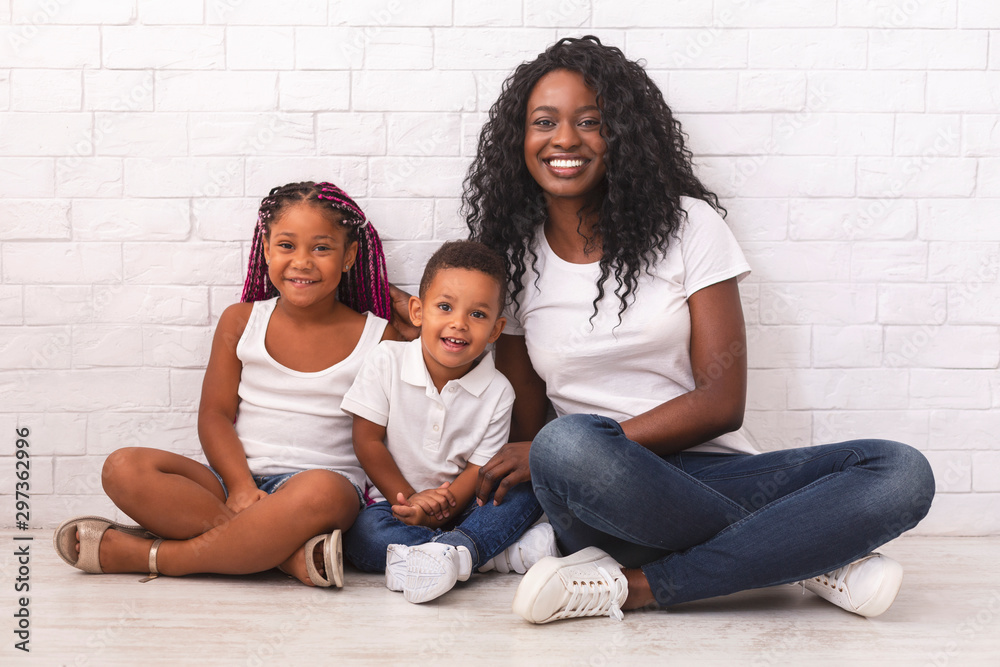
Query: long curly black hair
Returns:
{"type": "Point", "coordinates": [648, 168]}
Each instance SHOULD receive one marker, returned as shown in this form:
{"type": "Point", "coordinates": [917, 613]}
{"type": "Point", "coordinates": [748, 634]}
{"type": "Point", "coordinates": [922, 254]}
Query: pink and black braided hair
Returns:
{"type": "Point", "coordinates": [364, 287]}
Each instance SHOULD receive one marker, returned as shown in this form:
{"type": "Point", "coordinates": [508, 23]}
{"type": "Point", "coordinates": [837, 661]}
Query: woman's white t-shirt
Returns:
{"type": "Point", "coordinates": [621, 370]}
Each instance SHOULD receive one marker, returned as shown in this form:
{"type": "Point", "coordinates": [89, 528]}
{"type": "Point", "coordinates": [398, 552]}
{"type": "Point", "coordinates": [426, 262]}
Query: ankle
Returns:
{"type": "Point", "coordinates": [640, 595]}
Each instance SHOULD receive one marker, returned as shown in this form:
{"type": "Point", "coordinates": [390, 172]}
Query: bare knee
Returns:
{"type": "Point", "coordinates": [124, 467]}
{"type": "Point", "coordinates": [325, 496]}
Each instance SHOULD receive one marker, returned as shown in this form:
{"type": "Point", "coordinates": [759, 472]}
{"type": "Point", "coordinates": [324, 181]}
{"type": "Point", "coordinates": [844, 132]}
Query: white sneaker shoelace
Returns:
{"type": "Point", "coordinates": [595, 597]}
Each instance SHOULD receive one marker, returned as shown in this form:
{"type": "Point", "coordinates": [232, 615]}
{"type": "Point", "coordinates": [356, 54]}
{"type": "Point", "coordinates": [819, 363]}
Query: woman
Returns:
{"type": "Point", "coordinates": [626, 317]}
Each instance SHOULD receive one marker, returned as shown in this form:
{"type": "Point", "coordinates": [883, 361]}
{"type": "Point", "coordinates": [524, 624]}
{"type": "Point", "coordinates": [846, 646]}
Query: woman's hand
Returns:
{"type": "Point", "coordinates": [401, 313]}
{"type": "Point", "coordinates": [507, 468]}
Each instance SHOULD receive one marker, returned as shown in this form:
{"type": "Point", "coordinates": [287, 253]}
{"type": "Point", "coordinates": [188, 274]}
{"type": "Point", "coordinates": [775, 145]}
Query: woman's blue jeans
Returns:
{"type": "Point", "coordinates": [702, 524]}
{"type": "Point", "coordinates": [485, 531]}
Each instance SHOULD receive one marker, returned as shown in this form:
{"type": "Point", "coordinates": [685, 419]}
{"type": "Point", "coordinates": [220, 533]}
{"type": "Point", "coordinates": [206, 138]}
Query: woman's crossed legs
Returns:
{"type": "Point", "coordinates": [701, 525]}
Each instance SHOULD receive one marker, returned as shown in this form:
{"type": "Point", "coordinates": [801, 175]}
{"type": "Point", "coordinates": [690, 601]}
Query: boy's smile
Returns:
{"type": "Point", "coordinates": [458, 315]}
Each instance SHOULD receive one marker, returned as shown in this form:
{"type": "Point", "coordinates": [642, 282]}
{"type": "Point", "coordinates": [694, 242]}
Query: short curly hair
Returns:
{"type": "Point", "coordinates": [470, 255]}
{"type": "Point", "coordinates": [648, 168]}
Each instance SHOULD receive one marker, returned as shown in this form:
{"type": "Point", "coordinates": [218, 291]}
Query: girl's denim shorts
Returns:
{"type": "Point", "coordinates": [271, 483]}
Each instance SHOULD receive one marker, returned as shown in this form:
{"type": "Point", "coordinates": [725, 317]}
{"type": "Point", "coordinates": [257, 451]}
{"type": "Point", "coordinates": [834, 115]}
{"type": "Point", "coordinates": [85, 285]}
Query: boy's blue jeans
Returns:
{"type": "Point", "coordinates": [702, 524]}
{"type": "Point", "coordinates": [485, 531]}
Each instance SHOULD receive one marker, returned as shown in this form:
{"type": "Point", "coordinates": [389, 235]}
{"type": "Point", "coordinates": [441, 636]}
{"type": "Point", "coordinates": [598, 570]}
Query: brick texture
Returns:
{"type": "Point", "coordinates": [856, 145]}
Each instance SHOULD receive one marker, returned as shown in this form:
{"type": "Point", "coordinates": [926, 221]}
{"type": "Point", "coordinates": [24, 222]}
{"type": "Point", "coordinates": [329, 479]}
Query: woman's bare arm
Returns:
{"type": "Point", "coordinates": [719, 364]}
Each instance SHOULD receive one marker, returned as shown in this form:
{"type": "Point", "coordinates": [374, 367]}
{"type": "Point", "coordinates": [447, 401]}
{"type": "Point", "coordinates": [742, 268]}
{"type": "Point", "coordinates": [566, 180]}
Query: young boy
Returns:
{"type": "Point", "coordinates": [427, 414]}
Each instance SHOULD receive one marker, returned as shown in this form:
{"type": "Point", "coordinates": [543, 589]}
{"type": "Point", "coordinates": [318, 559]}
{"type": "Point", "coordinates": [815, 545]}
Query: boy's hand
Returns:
{"type": "Point", "coordinates": [436, 503]}
{"type": "Point", "coordinates": [413, 515]}
{"type": "Point", "coordinates": [241, 499]}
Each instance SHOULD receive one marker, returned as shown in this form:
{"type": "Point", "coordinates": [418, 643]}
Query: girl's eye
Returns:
{"type": "Point", "coordinates": [322, 248]}
{"type": "Point", "coordinates": [445, 307]}
{"type": "Point", "coordinates": [286, 245]}
{"type": "Point", "coordinates": [478, 314]}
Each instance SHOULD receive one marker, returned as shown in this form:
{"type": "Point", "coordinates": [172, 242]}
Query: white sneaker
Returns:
{"type": "Point", "coordinates": [537, 542]}
{"type": "Point", "coordinates": [426, 571]}
{"type": "Point", "coordinates": [587, 583]}
{"type": "Point", "coordinates": [866, 587]}
{"type": "Point", "coordinates": [395, 566]}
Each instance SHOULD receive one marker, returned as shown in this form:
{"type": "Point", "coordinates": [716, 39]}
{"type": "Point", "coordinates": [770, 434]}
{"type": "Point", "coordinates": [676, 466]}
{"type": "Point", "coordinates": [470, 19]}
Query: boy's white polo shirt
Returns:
{"type": "Point", "coordinates": [431, 436]}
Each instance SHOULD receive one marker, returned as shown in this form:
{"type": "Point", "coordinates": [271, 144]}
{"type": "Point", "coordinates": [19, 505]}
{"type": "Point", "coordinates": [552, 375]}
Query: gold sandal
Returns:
{"type": "Point", "coordinates": [333, 560]}
{"type": "Point", "coordinates": [91, 530]}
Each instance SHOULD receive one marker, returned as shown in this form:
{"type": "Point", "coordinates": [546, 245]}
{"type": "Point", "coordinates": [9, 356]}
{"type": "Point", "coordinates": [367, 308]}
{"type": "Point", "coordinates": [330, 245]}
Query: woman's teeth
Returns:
{"type": "Point", "coordinates": [566, 164]}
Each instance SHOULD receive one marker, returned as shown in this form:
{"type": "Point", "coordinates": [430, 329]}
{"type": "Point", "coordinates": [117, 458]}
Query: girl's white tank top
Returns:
{"type": "Point", "coordinates": [288, 420]}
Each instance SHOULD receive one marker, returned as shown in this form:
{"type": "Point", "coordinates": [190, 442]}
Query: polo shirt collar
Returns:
{"type": "Point", "coordinates": [415, 372]}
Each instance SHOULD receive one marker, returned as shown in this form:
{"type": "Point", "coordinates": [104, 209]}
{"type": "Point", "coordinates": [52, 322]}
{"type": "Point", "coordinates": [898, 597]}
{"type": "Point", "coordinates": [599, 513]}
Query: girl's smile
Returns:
{"type": "Point", "coordinates": [307, 254]}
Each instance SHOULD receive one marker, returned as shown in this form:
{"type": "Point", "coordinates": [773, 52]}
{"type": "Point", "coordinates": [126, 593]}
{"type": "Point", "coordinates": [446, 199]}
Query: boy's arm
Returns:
{"type": "Point", "coordinates": [381, 468]}
{"type": "Point", "coordinates": [218, 406]}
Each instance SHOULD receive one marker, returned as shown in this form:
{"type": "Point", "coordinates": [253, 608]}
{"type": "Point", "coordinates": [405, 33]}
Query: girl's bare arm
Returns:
{"type": "Point", "coordinates": [219, 402]}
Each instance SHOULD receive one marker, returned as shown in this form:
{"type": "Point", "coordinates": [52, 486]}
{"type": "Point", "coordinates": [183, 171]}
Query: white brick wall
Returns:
{"type": "Point", "coordinates": [856, 144]}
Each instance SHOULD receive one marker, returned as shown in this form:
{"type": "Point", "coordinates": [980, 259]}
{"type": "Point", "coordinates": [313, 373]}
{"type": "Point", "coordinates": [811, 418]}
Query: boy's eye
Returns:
{"type": "Point", "coordinates": [478, 314]}
{"type": "Point", "coordinates": [445, 307]}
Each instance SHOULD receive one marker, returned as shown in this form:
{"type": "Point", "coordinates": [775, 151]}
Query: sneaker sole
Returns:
{"type": "Point", "coordinates": [424, 577]}
{"type": "Point", "coordinates": [394, 579]}
{"type": "Point", "coordinates": [886, 594]}
{"type": "Point", "coordinates": [539, 575]}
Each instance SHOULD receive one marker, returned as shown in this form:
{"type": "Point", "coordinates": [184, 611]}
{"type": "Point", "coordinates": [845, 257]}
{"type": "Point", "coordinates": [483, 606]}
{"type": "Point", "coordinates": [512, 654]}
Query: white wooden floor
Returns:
{"type": "Point", "coordinates": [947, 613]}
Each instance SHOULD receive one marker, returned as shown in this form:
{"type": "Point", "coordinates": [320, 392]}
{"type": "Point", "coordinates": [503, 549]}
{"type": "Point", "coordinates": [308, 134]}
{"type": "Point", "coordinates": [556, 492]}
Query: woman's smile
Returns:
{"type": "Point", "coordinates": [563, 146]}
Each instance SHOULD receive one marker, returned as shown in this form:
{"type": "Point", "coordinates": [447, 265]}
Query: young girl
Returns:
{"type": "Point", "coordinates": [284, 480]}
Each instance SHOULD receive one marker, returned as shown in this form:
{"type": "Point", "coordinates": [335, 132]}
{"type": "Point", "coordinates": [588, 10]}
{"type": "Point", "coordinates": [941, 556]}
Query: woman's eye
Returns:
{"type": "Point", "coordinates": [590, 122]}
{"type": "Point", "coordinates": [545, 122]}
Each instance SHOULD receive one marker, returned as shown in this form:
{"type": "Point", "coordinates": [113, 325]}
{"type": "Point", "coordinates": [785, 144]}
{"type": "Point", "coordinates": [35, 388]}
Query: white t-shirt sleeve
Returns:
{"type": "Point", "coordinates": [708, 249]}
{"type": "Point", "coordinates": [513, 326]}
{"type": "Point", "coordinates": [498, 430]}
{"type": "Point", "coordinates": [368, 397]}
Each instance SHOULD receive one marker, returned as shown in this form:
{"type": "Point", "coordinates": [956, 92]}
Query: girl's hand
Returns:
{"type": "Point", "coordinates": [507, 468]}
{"type": "Point", "coordinates": [240, 500]}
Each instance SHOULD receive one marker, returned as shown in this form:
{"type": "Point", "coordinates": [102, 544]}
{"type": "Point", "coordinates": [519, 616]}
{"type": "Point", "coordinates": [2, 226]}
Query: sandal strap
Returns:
{"type": "Point", "coordinates": [90, 533]}
{"type": "Point", "coordinates": [153, 572]}
{"type": "Point", "coordinates": [314, 574]}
